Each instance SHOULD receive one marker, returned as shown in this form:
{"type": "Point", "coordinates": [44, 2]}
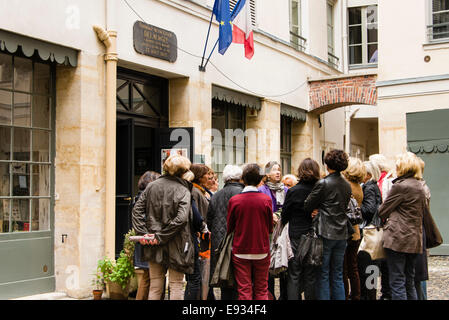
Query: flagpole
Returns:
{"type": "Point", "coordinates": [205, 46]}
{"type": "Point", "coordinates": [210, 55]}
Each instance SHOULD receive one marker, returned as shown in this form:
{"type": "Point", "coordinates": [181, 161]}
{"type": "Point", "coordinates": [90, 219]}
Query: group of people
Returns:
{"type": "Point", "coordinates": [185, 218]}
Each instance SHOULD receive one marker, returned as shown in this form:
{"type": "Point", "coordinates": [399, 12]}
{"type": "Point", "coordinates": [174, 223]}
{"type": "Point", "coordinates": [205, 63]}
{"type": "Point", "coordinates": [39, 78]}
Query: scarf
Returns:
{"type": "Point", "coordinates": [279, 190]}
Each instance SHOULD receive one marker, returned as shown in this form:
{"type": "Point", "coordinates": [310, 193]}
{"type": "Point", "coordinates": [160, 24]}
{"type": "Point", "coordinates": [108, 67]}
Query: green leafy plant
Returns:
{"type": "Point", "coordinates": [121, 270]}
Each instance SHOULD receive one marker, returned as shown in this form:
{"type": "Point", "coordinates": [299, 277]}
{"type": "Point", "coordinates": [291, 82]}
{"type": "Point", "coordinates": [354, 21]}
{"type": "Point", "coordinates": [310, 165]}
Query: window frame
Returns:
{"type": "Point", "coordinates": [31, 163]}
{"type": "Point", "coordinates": [227, 107]}
{"type": "Point", "coordinates": [430, 25]}
{"type": "Point", "coordinates": [364, 37]}
{"type": "Point", "coordinates": [297, 39]}
{"type": "Point", "coordinates": [286, 143]}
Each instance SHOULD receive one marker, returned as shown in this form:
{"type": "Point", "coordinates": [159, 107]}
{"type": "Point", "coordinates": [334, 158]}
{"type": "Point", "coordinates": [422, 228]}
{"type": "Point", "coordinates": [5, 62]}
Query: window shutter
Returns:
{"type": "Point", "coordinates": [252, 6]}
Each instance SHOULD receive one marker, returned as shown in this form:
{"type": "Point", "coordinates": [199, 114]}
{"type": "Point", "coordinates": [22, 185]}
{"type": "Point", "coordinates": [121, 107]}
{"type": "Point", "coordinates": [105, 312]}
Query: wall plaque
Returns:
{"type": "Point", "coordinates": [155, 42]}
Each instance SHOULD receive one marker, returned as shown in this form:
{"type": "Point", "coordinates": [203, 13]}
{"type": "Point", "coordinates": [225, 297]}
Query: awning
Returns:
{"type": "Point", "coordinates": [235, 97]}
{"type": "Point", "coordinates": [293, 112]}
{"type": "Point", "coordinates": [47, 51]}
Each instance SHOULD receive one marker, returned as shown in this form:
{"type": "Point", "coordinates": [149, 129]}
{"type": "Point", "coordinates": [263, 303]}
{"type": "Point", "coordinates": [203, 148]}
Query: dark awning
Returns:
{"type": "Point", "coordinates": [47, 51]}
{"type": "Point", "coordinates": [293, 112]}
{"type": "Point", "coordinates": [239, 98]}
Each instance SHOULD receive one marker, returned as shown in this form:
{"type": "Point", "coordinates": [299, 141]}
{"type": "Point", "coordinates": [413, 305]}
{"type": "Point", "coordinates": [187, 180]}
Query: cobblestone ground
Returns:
{"type": "Point", "coordinates": [438, 284]}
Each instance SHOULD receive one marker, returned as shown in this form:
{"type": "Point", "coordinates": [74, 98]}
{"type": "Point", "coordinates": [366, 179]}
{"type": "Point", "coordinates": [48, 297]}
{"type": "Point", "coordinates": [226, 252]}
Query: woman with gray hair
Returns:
{"type": "Point", "coordinates": [217, 218]}
{"type": "Point", "coordinates": [277, 192]}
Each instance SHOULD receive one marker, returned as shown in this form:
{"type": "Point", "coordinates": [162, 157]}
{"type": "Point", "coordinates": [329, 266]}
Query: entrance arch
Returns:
{"type": "Point", "coordinates": [326, 94]}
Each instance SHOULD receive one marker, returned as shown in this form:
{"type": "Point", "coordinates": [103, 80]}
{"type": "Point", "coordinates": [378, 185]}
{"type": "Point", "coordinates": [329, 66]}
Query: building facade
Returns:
{"type": "Point", "coordinates": [93, 97]}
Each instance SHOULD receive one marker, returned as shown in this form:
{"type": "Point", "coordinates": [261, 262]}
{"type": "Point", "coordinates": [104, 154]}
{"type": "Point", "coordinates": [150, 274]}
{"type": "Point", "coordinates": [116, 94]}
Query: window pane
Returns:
{"type": "Point", "coordinates": [4, 180]}
{"type": "Point", "coordinates": [41, 112]}
{"type": "Point", "coordinates": [355, 35]}
{"type": "Point", "coordinates": [355, 16]}
{"type": "Point", "coordinates": [20, 215]}
{"type": "Point", "coordinates": [22, 109]}
{"type": "Point", "coordinates": [41, 180]}
{"type": "Point", "coordinates": [21, 179]}
{"type": "Point", "coordinates": [372, 33]}
{"type": "Point", "coordinates": [4, 215]}
{"type": "Point", "coordinates": [123, 94]}
{"type": "Point", "coordinates": [22, 74]}
{"type": "Point", "coordinates": [153, 95]}
{"type": "Point", "coordinates": [440, 5]}
{"type": "Point", "coordinates": [295, 15]}
{"type": "Point", "coordinates": [371, 14]}
{"type": "Point", "coordinates": [372, 53]}
{"type": "Point", "coordinates": [5, 143]}
{"type": "Point", "coordinates": [42, 78]}
{"type": "Point", "coordinates": [41, 146]}
{"type": "Point", "coordinates": [5, 71]}
{"type": "Point", "coordinates": [440, 17]}
{"type": "Point", "coordinates": [21, 144]}
{"type": "Point", "coordinates": [355, 55]}
{"type": "Point", "coordinates": [40, 219]}
{"type": "Point", "coordinates": [5, 107]}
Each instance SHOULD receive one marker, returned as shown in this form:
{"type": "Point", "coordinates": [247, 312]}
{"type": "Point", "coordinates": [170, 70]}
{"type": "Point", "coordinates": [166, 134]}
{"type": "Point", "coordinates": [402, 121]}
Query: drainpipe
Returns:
{"type": "Point", "coordinates": [348, 115]}
{"type": "Point", "coordinates": [109, 39]}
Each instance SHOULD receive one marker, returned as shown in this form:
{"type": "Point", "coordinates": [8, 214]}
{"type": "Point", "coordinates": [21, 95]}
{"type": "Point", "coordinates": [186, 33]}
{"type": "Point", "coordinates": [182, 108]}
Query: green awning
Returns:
{"type": "Point", "coordinates": [293, 112]}
{"type": "Point", "coordinates": [47, 51]}
{"type": "Point", "coordinates": [239, 98]}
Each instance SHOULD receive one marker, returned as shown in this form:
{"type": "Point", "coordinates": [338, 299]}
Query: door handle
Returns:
{"type": "Point", "coordinates": [128, 199]}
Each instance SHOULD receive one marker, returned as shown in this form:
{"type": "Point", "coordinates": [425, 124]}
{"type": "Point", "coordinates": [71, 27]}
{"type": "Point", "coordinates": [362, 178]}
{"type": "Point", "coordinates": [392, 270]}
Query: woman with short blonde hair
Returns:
{"type": "Point", "coordinates": [408, 163]}
{"type": "Point", "coordinates": [403, 211]}
{"type": "Point", "coordinates": [372, 171]}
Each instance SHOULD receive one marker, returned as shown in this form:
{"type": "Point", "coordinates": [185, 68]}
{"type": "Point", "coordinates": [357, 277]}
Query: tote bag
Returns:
{"type": "Point", "coordinates": [372, 242]}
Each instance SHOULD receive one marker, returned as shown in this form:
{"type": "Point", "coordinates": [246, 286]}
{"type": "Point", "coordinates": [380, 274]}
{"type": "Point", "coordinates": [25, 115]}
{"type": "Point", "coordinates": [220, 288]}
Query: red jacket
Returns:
{"type": "Point", "coordinates": [251, 217]}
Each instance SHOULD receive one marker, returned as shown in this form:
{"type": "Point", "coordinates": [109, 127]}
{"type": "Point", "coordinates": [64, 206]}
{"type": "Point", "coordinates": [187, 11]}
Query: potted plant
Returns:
{"type": "Point", "coordinates": [118, 273]}
{"type": "Point", "coordinates": [98, 284]}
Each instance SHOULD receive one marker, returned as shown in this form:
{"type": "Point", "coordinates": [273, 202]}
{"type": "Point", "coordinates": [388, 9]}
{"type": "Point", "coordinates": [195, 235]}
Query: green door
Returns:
{"type": "Point", "coordinates": [27, 121]}
{"type": "Point", "coordinates": [428, 138]}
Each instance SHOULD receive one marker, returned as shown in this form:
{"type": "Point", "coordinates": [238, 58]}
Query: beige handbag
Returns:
{"type": "Point", "coordinates": [372, 242]}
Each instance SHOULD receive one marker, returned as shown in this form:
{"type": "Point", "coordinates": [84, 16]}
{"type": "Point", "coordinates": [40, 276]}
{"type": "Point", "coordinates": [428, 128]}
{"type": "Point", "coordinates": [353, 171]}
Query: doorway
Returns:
{"type": "Point", "coordinates": [142, 109]}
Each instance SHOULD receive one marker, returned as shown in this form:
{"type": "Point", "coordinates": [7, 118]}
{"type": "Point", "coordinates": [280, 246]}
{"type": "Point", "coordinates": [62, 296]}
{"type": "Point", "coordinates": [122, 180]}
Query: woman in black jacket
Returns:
{"type": "Point", "coordinates": [300, 278]}
{"type": "Point", "coordinates": [371, 202]}
{"type": "Point", "coordinates": [331, 197]}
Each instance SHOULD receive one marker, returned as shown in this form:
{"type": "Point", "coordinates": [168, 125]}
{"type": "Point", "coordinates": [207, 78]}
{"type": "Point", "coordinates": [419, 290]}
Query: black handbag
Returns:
{"type": "Point", "coordinates": [310, 248]}
{"type": "Point", "coordinates": [354, 212]}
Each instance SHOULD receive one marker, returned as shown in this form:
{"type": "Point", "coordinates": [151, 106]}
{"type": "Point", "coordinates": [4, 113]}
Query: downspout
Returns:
{"type": "Point", "coordinates": [109, 39]}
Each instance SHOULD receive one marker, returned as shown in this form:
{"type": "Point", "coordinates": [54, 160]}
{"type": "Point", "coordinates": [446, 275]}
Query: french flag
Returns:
{"type": "Point", "coordinates": [242, 31]}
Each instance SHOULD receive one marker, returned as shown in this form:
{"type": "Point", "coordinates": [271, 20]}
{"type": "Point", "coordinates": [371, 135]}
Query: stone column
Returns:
{"type": "Point", "coordinates": [191, 106]}
{"type": "Point", "coordinates": [302, 141]}
{"type": "Point", "coordinates": [79, 174]}
{"type": "Point", "coordinates": [263, 131]}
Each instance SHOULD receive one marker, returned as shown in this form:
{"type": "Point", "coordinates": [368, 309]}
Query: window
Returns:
{"type": "Point", "coordinates": [286, 144]}
{"type": "Point", "coordinates": [333, 60]}
{"type": "Point", "coordinates": [362, 35]}
{"type": "Point", "coordinates": [252, 7]}
{"type": "Point", "coordinates": [440, 20]}
{"type": "Point", "coordinates": [143, 96]}
{"type": "Point", "coordinates": [296, 38]}
{"type": "Point", "coordinates": [228, 147]}
{"type": "Point", "coordinates": [26, 97]}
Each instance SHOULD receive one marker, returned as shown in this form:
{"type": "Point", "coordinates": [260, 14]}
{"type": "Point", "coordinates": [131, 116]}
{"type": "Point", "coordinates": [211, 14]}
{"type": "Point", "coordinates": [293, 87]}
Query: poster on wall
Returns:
{"type": "Point", "coordinates": [165, 153]}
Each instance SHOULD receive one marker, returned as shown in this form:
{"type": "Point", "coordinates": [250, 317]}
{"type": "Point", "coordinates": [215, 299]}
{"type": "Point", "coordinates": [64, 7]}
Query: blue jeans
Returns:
{"type": "Point", "coordinates": [329, 281]}
{"type": "Point", "coordinates": [401, 267]}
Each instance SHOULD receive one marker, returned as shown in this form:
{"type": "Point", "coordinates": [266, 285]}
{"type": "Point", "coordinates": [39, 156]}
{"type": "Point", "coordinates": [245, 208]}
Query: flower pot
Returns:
{"type": "Point", "coordinates": [116, 292]}
{"type": "Point", "coordinates": [97, 294]}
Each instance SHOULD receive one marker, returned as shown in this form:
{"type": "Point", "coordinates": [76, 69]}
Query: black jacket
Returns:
{"type": "Point", "coordinates": [217, 214]}
{"type": "Point", "coordinates": [331, 196]}
{"type": "Point", "coordinates": [372, 199]}
{"type": "Point", "coordinates": [299, 221]}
